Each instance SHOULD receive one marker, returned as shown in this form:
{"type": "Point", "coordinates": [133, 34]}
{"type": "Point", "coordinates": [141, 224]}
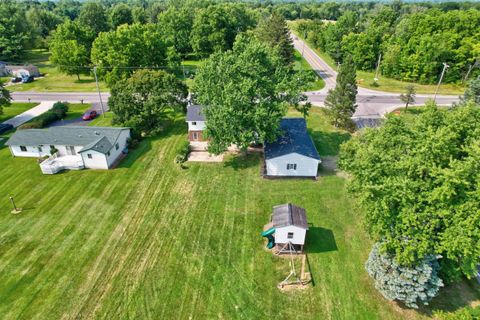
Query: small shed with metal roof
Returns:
{"type": "Point", "coordinates": [290, 223]}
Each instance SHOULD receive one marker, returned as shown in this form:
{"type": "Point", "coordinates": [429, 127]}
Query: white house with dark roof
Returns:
{"type": "Point", "coordinates": [293, 154]}
{"type": "Point", "coordinates": [71, 147]}
{"type": "Point", "coordinates": [196, 123]}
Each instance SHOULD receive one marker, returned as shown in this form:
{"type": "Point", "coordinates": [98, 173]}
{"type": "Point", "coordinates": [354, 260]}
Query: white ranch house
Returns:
{"type": "Point", "coordinates": [293, 154]}
{"type": "Point", "coordinates": [73, 147]}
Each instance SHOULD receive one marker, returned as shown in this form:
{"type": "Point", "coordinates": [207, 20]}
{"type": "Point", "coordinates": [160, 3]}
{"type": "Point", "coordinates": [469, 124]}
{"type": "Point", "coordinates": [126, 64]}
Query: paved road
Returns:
{"type": "Point", "coordinates": [74, 97]}
{"type": "Point", "coordinates": [371, 103]}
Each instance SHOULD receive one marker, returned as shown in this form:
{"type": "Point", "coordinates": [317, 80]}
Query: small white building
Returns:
{"type": "Point", "coordinates": [290, 223]}
{"type": "Point", "coordinates": [71, 147]}
{"type": "Point", "coordinates": [196, 123]}
{"type": "Point", "coordinates": [293, 154]}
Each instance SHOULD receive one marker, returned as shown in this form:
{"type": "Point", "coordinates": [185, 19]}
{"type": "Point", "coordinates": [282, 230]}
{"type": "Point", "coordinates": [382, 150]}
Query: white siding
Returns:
{"type": "Point", "coordinates": [98, 160]}
{"type": "Point", "coordinates": [281, 235]}
{"type": "Point", "coordinates": [122, 144]}
{"type": "Point", "coordinates": [32, 151]}
{"type": "Point", "coordinates": [199, 126]}
{"type": "Point", "coordinates": [306, 167]}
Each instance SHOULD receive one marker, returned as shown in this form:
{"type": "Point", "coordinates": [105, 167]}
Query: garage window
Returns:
{"type": "Point", "coordinates": [290, 235]}
{"type": "Point", "coordinates": [23, 148]}
{"type": "Point", "coordinates": [89, 155]}
{"type": "Point", "coordinates": [291, 166]}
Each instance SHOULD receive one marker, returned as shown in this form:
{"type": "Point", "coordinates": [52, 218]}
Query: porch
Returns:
{"type": "Point", "coordinates": [55, 164]}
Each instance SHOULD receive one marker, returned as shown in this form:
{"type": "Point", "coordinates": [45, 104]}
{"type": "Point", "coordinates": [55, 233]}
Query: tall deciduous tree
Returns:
{"type": "Point", "coordinates": [120, 14]}
{"type": "Point", "coordinates": [274, 31]}
{"type": "Point", "coordinates": [418, 181]}
{"type": "Point", "coordinates": [245, 92]}
{"type": "Point", "coordinates": [93, 16]}
{"type": "Point", "coordinates": [176, 25]}
{"type": "Point", "coordinates": [342, 100]}
{"type": "Point", "coordinates": [70, 45]}
{"type": "Point", "coordinates": [142, 101]}
{"type": "Point", "coordinates": [14, 31]}
{"type": "Point", "coordinates": [117, 53]}
{"type": "Point", "coordinates": [409, 96]}
{"type": "Point", "coordinates": [215, 27]}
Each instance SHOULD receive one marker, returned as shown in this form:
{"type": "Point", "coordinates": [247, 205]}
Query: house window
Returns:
{"type": "Point", "coordinates": [116, 146]}
{"type": "Point", "coordinates": [89, 156]}
{"type": "Point", "coordinates": [290, 235]}
{"type": "Point", "coordinates": [108, 154]}
{"type": "Point", "coordinates": [291, 166]}
{"type": "Point", "coordinates": [40, 149]}
{"type": "Point", "coordinates": [194, 123]}
{"type": "Point", "coordinates": [23, 148]}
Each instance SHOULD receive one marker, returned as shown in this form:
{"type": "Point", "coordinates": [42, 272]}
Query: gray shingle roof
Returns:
{"type": "Point", "coordinates": [295, 139]}
{"type": "Point", "coordinates": [289, 215]}
{"type": "Point", "coordinates": [194, 113]}
{"type": "Point", "coordinates": [100, 139]}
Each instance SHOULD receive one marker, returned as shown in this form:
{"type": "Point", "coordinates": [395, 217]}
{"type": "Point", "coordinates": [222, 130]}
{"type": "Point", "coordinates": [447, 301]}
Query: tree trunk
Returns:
{"type": "Point", "coordinates": [78, 76]}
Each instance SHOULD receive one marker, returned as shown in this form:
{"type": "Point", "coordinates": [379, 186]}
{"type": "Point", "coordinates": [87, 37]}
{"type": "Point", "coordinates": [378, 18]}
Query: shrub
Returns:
{"type": "Point", "coordinates": [182, 152]}
{"type": "Point", "coordinates": [410, 285]}
{"type": "Point", "coordinates": [60, 109]}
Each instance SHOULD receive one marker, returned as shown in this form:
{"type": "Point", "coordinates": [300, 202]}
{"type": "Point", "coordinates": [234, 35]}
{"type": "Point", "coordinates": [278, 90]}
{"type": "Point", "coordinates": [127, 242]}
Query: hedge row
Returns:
{"type": "Point", "coordinates": [58, 111]}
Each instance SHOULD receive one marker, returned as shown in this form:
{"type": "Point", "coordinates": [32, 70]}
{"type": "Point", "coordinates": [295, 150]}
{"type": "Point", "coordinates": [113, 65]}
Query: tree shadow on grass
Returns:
{"type": "Point", "coordinates": [241, 162]}
{"type": "Point", "coordinates": [453, 297]}
{"type": "Point", "coordinates": [327, 142]}
{"type": "Point", "coordinates": [320, 240]}
{"type": "Point", "coordinates": [172, 128]}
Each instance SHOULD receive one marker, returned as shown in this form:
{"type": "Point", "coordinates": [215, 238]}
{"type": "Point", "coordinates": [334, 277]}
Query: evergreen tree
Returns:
{"type": "Point", "coordinates": [4, 97]}
{"type": "Point", "coordinates": [472, 93]}
{"type": "Point", "coordinates": [275, 33]}
{"type": "Point", "coordinates": [409, 96]}
{"type": "Point", "coordinates": [342, 100]}
{"type": "Point", "coordinates": [408, 284]}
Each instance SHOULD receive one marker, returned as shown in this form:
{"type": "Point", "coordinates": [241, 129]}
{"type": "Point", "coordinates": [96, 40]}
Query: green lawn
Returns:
{"type": "Point", "coordinates": [365, 78]}
{"type": "Point", "coordinates": [149, 240]}
{"type": "Point", "coordinates": [102, 121]}
{"type": "Point", "coordinates": [302, 64]}
{"type": "Point", "coordinates": [55, 80]}
{"type": "Point", "coordinates": [76, 110]}
{"type": "Point", "coordinates": [15, 109]}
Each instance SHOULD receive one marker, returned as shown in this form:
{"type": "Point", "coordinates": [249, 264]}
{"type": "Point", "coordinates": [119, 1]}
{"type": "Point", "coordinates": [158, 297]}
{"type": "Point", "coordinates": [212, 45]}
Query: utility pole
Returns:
{"type": "Point", "coordinates": [445, 66]}
{"type": "Point", "coordinates": [470, 68]}
{"type": "Point", "coordinates": [98, 89]}
{"type": "Point", "coordinates": [378, 67]}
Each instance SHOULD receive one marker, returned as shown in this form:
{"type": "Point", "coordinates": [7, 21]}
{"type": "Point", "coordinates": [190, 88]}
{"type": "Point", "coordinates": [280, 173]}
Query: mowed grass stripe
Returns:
{"type": "Point", "coordinates": [125, 231]}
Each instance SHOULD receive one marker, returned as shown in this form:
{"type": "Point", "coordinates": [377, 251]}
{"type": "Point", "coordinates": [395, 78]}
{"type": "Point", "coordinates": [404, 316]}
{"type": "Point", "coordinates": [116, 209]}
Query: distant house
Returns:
{"type": "Point", "coordinates": [196, 123]}
{"type": "Point", "coordinates": [290, 223]}
{"type": "Point", "coordinates": [3, 69]}
{"type": "Point", "coordinates": [71, 147]}
{"type": "Point", "coordinates": [293, 154]}
{"type": "Point", "coordinates": [26, 70]}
